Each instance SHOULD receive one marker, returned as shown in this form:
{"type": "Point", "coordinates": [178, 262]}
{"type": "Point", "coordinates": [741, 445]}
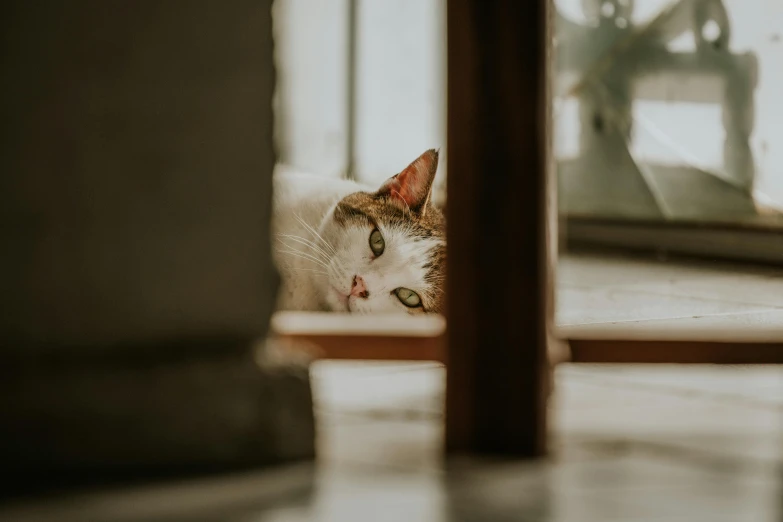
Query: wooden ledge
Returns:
{"type": "Point", "coordinates": [717, 339]}
{"type": "Point", "coordinates": [364, 337]}
{"type": "Point", "coordinates": [747, 327]}
{"type": "Point", "coordinates": [635, 351]}
{"type": "Point", "coordinates": [708, 340]}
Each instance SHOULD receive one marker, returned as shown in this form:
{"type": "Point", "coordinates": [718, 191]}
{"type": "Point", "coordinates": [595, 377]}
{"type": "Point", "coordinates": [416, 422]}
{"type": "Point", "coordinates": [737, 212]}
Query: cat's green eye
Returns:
{"type": "Point", "coordinates": [377, 244]}
{"type": "Point", "coordinates": [408, 297]}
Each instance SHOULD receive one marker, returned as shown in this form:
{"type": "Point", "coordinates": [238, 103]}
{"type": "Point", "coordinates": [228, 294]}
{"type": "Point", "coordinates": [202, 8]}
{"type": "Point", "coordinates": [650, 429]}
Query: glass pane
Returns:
{"type": "Point", "coordinates": [670, 111]}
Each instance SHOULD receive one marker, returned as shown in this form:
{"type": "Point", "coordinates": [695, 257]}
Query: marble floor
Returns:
{"type": "Point", "coordinates": [668, 444]}
{"type": "Point", "coordinates": [629, 443]}
{"type": "Point", "coordinates": [612, 293]}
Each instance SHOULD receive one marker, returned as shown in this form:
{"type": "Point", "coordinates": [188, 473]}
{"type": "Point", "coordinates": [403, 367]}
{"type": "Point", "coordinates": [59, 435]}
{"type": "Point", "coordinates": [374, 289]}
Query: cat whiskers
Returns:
{"type": "Point", "coordinates": [303, 255]}
{"type": "Point", "coordinates": [337, 270]}
{"type": "Point", "coordinates": [298, 269]}
{"type": "Point", "coordinates": [308, 243]}
{"type": "Point", "coordinates": [315, 233]}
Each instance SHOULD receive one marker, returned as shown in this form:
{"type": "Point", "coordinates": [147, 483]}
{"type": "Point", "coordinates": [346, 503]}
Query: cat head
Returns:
{"type": "Point", "coordinates": [389, 246]}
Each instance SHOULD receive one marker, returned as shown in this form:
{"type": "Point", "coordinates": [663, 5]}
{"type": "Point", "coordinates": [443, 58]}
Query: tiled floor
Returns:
{"type": "Point", "coordinates": [629, 444]}
{"type": "Point", "coordinates": [599, 289]}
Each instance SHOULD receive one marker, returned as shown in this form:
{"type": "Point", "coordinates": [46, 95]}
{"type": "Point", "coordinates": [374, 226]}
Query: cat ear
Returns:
{"type": "Point", "coordinates": [411, 188]}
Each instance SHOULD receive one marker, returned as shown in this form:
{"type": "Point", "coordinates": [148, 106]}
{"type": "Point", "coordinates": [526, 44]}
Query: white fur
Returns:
{"type": "Point", "coordinates": [318, 258]}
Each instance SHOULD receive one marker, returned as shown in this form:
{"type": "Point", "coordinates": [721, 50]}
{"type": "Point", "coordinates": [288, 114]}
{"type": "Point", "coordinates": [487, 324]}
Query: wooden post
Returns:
{"type": "Point", "coordinates": [499, 252]}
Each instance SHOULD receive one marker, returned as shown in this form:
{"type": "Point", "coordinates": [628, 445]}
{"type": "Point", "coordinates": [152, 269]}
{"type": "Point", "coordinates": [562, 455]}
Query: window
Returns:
{"type": "Point", "coordinates": [667, 117]}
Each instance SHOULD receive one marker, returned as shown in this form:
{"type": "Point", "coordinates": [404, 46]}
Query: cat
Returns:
{"type": "Point", "coordinates": [344, 247]}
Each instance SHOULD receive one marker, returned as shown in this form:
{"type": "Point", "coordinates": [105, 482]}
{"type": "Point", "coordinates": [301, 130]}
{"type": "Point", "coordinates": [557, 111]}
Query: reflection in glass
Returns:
{"type": "Point", "coordinates": [669, 111]}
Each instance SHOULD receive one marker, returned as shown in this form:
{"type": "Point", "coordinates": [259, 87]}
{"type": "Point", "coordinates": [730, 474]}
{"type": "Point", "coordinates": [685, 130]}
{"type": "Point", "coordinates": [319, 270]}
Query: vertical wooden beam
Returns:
{"type": "Point", "coordinates": [499, 254]}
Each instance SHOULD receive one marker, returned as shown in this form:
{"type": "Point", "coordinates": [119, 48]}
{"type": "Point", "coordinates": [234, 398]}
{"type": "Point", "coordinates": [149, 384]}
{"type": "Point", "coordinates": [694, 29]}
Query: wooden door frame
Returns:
{"type": "Point", "coordinates": [498, 287]}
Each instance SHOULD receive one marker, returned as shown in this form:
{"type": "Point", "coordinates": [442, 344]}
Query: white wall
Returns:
{"type": "Point", "coordinates": [311, 38]}
{"type": "Point", "coordinates": [401, 96]}
{"type": "Point", "coordinates": [401, 84]}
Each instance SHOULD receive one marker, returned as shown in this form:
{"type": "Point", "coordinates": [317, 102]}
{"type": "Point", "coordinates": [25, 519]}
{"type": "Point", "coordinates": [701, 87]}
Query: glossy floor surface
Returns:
{"type": "Point", "coordinates": [596, 292]}
{"type": "Point", "coordinates": [668, 444]}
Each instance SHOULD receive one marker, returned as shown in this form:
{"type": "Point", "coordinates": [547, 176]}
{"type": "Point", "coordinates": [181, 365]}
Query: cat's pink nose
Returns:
{"type": "Point", "coordinates": [358, 289]}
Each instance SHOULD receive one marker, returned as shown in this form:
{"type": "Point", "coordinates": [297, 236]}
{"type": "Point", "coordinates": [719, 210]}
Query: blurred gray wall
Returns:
{"type": "Point", "coordinates": [135, 268]}
{"type": "Point", "coordinates": [135, 162]}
